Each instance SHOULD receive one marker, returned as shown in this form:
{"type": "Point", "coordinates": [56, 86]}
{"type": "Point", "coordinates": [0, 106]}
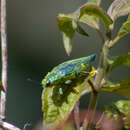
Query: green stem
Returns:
{"type": "Point", "coordinates": [92, 107]}
{"type": "Point", "coordinates": [97, 85]}
{"type": "Point", "coordinates": [102, 66]}
{"type": "Point", "coordinates": [114, 42]}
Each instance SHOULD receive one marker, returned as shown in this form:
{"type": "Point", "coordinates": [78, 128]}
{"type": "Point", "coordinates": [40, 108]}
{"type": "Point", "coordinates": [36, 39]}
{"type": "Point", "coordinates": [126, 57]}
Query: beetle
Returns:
{"type": "Point", "coordinates": [65, 72]}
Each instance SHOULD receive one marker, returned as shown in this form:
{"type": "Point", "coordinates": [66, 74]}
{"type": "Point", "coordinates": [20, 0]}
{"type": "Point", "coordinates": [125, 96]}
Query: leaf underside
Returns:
{"type": "Point", "coordinates": [97, 13]}
{"type": "Point", "coordinates": [68, 25]}
{"type": "Point", "coordinates": [119, 8]}
{"type": "Point", "coordinates": [121, 88]}
{"type": "Point", "coordinates": [125, 28]}
{"type": "Point", "coordinates": [120, 61]}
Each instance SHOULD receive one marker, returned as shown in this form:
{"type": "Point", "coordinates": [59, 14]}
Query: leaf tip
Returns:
{"type": "Point", "coordinates": [68, 52]}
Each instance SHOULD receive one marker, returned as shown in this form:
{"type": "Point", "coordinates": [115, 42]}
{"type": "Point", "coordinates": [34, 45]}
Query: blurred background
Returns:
{"type": "Point", "coordinates": [35, 47]}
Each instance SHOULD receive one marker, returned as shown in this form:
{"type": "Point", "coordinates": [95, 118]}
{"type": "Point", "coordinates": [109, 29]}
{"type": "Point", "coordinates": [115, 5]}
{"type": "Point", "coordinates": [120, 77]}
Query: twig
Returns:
{"type": "Point", "coordinates": [91, 111]}
{"type": "Point", "coordinates": [76, 115]}
{"type": "Point", "coordinates": [4, 124]}
{"type": "Point", "coordinates": [4, 58]}
{"type": "Point", "coordinates": [8, 126]}
{"type": "Point", "coordinates": [102, 66]}
{"type": "Point", "coordinates": [97, 85]}
{"type": "Point", "coordinates": [114, 42]}
{"type": "Point", "coordinates": [92, 85]}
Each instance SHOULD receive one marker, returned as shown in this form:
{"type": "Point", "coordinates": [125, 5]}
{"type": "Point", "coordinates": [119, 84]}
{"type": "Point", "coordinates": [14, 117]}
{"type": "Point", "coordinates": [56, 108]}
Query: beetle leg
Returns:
{"type": "Point", "coordinates": [83, 73]}
{"type": "Point", "coordinates": [93, 72]}
{"type": "Point", "coordinates": [75, 90]}
{"type": "Point", "coordinates": [60, 91]}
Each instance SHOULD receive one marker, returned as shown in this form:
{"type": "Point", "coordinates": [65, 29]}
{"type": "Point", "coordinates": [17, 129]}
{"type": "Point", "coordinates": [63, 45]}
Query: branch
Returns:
{"type": "Point", "coordinates": [102, 65]}
{"type": "Point", "coordinates": [4, 58]}
{"type": "Point", "coordinates": [112, 43]}
{"type": "Point", "coordinates": [76, 115]}
{"type": "Point", "coordinates": [96, 86]}
{"type": "Point", "coordinates": [91, 110]}
{"type": "Point", "coordinates": [8, 126]}
{"type": "Point", "coordinates": [92, 85]}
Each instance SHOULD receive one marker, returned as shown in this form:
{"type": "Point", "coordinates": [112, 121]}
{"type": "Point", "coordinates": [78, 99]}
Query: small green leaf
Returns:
{"type": "Point", "coordinates": [55, 107]}
{"type": "Point", "coordinates": [68, 29]}
{"type": "Point", "coordinates": [119, 8]}
{"type": "Point", "coordinates": [123, 106]}
{"type": "Point", "coordinates": [125, 28]}
{"type": "Point", "coordinates": [120, 109]}
{"type": "Point", "coordinates": [94, 10]}
{"type": "Point", "coordinates": [122, 88]}
{"type": "Point", "coordinates": [67, 43]}
{"type": "Point", "coordinates": [68, 25]}
{"type": "Point", "coordinates": [92, 21]}
{"type": "Point", "coordinates": [112, 110]}
{"type": "Point", "coordinates": [120, 61]}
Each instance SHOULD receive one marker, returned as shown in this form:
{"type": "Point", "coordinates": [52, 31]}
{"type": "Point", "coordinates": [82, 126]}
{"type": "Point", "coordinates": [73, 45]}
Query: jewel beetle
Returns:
{"type": "Point", "coordinates": [69, 70]}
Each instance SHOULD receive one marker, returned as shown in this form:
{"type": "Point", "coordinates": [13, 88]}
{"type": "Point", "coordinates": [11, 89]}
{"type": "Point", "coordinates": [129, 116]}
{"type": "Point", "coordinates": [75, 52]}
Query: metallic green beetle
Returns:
{"type": "Point", "coordinates": [69, 70]}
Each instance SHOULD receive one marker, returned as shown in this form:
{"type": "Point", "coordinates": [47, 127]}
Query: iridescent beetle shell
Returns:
{"type": "Point", "coordinates": [68, 70]}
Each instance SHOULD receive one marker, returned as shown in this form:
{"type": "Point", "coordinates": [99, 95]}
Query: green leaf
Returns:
{"type": "Point", "coordinates": [120, 61]}
{"type": "Point", "coordinates": [122, 88]}
{"type": "Point", "coordinates": [120, 109]}
{"type": "Point", "coordinates": [68, 25]}
{"type": "Point", "coordinates": [68, 29]}
{"type": "Point", "coordinates": [119, 8]}
{"type": "Point", "coordinates": [67, 43]}
{"type": "Point", "coordinates": [123, 106]}
{"type": "Point", "coordinates": [57, 107]}
{"type": "Point", "coordinates": [125, 28]}
{"type": "Point", "coordinates": [94, 10]}
{"type": "Point", "coordinates": [92, 21]}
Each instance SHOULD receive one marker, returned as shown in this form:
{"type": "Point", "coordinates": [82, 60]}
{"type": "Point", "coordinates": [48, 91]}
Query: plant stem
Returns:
{"type": "Point", "coordinates": [91, 110]}
{"type": "Point", "coordinates": [102, 66]}
{"type": "Point", "coordinates": [3, 124]}
{"type": "Point", "coordinates": [76, 116]}
{"type": "Point", "coordinates": [4, 59]}
{"type": "Point", "coordinates": [114, 42]}
{"type": "Point", "coordinates": [97, 85]}
{"type": "Point", "coordinates": [8, 126]}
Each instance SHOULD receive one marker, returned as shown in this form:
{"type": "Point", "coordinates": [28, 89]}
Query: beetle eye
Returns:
{"type": "Point", "coordinates": [48, 83]}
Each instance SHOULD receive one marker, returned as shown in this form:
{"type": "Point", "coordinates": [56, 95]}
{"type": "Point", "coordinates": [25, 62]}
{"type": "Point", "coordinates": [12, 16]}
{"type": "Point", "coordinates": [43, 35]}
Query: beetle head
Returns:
{"type": "Point", "coordinates": [48, 83]}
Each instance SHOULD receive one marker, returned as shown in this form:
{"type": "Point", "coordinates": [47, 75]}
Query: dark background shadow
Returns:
{"type": "Point", "coordinates": [35, 47]}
